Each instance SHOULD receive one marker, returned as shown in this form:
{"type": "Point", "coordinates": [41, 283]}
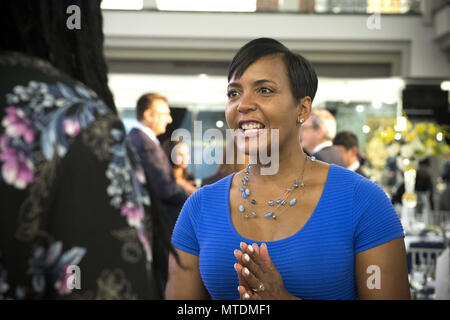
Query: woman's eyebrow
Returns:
{"type": "Point", "coordinates": [262, 81]}
{"type": "Point", "coordinates": [234, 85]}
{"type": "Point", "coordinates": [255, 83]}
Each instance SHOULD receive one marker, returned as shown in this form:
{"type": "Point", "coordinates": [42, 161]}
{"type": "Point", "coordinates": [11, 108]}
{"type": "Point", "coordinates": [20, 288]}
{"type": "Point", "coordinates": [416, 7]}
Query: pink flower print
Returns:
{"type": "Point", "coordinates": [17, 124]}
{"type": "Point", "coordinates": [71, 127]}
{"type": "Point", "coordinates": [133, 214]}
{"type": "Point", "coordinates": [17, 169]}
{"type": "Point", "coordinates": [61, 283]}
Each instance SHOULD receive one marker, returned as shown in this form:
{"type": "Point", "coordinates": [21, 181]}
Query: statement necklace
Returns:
{"type": "Point", "coordinates": [270, 207]}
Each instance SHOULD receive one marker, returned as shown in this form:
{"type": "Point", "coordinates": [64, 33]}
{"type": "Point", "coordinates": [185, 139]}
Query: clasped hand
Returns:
{"type": "Point", "coordinates": [259, 279]}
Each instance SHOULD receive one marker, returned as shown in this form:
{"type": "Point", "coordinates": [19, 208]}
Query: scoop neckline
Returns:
{"type": "Point", "coordinates": [313, 214]}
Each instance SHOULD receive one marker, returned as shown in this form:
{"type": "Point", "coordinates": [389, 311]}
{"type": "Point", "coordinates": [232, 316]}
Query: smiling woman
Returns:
{"type": "Point", "coordinates": [314, 228]}
{"type": "Point", "coordinates": [261, 99]}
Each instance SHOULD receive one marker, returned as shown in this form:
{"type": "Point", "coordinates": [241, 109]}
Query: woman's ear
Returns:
{"type": "Point", "coordinates": [304, 109]}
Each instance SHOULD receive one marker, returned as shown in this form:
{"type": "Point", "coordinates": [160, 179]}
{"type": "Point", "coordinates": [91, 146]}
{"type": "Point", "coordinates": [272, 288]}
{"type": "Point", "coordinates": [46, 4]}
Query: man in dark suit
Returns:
{"type": "Point", "coordinates": [153, 114]}
{"type": "Point", "coordinates": [316, 135]}
{"type": "Point", "coordinates": [346, 143]}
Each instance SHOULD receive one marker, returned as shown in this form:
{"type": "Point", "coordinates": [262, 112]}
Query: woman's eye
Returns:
{"type": "Point", "coordinates": [265, 90]}
{"type": "Point", "coordinates": [232, 93]}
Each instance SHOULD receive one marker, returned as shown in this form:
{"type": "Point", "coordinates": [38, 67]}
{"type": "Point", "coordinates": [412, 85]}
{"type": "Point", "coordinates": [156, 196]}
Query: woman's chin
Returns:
{"type": "Point", "coordinates": [252, 150]}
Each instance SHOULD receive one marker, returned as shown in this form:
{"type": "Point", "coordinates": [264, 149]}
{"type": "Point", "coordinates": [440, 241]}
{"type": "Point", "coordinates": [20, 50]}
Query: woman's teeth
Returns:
{"type": "Point", "coordinates": [252, 126]}
{"type": "Point", "coordinates": [251, 130]}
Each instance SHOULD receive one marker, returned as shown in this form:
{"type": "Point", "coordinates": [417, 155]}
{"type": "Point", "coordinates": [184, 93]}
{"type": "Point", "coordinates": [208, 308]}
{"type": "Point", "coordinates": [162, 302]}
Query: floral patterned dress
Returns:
{"type": "Point", "coordinates": [73, 202]}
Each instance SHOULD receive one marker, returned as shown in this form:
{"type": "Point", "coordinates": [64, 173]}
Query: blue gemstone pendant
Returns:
{"type": "Point", "coordinates": [245, 192]}
{"type": "Point", "coordinates": [268, 214]}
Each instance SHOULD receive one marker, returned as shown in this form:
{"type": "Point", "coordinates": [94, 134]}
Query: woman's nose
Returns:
{"type": "Point", "coordinates": [246, 103]}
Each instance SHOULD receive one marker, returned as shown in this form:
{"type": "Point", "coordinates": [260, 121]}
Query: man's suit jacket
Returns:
{"type": "Point", "coordinates": [330, 155]}
{"type": "Point", "coordinates": [159, 173]}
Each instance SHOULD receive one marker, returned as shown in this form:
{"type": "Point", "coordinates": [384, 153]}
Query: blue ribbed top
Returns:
{"type": "Point", "coordinates": [317, 262]}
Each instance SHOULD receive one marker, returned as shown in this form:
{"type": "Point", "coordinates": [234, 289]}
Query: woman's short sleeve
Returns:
{"type": "Point", "coordinates": [375, 219]}
{"type": "Point", "coordinates": [184, 236]}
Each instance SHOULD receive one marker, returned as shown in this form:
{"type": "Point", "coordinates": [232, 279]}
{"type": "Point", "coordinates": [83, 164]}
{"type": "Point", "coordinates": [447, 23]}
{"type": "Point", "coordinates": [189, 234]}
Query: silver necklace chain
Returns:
{"type": "Point", "coordinates": [271, 206]}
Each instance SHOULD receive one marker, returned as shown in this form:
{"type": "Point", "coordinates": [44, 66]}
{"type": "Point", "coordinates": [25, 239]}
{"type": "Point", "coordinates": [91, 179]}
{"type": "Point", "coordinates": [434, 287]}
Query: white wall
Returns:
{"type": "Point", "coordinates": [162, 33]}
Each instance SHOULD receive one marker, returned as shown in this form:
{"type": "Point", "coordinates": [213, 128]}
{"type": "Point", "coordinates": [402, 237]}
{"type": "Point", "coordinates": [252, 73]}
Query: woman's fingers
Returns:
{"type": "Point", "coordinates": [258, 276]}
{"type": "Point", "coordinates": [238, 267]}
{"type": "Point", "coordinates": [244, 289]}
{"type": "Point", "coordinates": [254, 284]}
{"type": "Point", "coordinates": [250, 268]}
{"type": "Point", "coordinates": [248, 295]}
{"type": "Point", "coordinates": [252, 259]}
{"type": "Point", "coordinates": [255, 247]}
{"type": "Point", "coordinates": [264, 255]}
{"type": "Point", "coordinates": [244, 293]}
{"type": "Point", "coordinates": [245, 247]}
{"type": "Point", "coordinates": [238, 254]}
{"type": "Point", "coordinates": [242, 281]}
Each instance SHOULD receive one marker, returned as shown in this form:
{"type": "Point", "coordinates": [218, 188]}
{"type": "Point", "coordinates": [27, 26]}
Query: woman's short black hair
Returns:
{"type": "Point", "coordinates": [301, 73]}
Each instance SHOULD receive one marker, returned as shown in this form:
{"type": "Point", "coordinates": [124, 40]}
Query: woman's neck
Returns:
{"type": "Point", "coordinates": [290, 163]}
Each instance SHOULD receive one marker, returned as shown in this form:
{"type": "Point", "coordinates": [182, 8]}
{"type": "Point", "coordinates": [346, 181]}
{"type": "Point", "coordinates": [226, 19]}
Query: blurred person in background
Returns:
{"type": "Point", "coordinates": [153, 114]}
{"type": "Point", "coordinates": [178, 154]}
{"type": "Point", "coordinates": [72, 192]}
{"type": "Point", "coordinates": [317, 134]}
{"type": "Point", "coordinates": [346, 143]}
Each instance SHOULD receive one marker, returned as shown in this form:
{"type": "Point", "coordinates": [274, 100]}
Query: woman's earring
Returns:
{"type": "Point", "coordinates": [301, 121]}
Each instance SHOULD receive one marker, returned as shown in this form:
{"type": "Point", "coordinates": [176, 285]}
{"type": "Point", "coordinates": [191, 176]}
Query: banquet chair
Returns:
{"type": "Point", "coordinates": [422, 270]}
{"type": "Point", "coordinates": [422, 254]}
{"type": "Point", "coordinates": [424, 259]}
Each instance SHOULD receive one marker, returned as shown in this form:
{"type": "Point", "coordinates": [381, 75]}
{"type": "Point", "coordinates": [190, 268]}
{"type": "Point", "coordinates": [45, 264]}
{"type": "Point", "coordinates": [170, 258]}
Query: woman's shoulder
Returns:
{"type": "Point", "coordinates": [333, 177]}
{"type": "Point", "coordinates": [205, 205]}
{"type": "Point", "coordinates": [344, 177]}
{"type": "Point", "coordinates": [351, 186]}
{"type": "Point", "coordinates": [216, 189]}
{"type": "Point", "coordinates": [212, 194]}
{"type": "Point", "coordinates": [364, 191]}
